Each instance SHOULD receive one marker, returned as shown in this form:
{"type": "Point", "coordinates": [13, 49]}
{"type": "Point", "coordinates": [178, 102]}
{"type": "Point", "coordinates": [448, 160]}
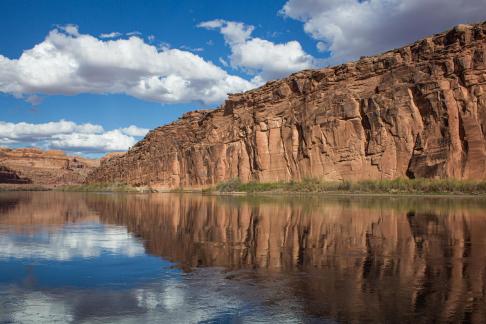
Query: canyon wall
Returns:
{"type": "Point", "coordinates": [43, 168]}
{"type": "Point", "coordinates": [417, 111]}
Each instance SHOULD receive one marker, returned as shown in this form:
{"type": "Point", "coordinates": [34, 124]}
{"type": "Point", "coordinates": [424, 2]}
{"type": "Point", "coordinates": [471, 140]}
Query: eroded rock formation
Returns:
{"type": "Point", "coordinates": [417, 111]}
{"type": "Point", "coordinates": [44, 168]}
{"type": "Point", "coordinates": [10, 176]}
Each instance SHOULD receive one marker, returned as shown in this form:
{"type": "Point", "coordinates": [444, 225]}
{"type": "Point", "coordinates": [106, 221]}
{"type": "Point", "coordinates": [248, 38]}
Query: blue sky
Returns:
{"type": "Point", "coordinates": [58, 61]}
{"type": "Point", "coordinates": [172, 22]}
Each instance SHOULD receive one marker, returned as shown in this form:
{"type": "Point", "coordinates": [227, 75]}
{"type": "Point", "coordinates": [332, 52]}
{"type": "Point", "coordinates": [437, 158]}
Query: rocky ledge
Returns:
{"type": "Point", "coordinates": [43, 168]}
{"type": "Point", "coordinates": [417, 111]}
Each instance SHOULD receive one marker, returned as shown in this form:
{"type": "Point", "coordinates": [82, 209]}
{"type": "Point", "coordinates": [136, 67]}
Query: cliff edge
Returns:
{"type": "Point", "coordinates": [417, 111]}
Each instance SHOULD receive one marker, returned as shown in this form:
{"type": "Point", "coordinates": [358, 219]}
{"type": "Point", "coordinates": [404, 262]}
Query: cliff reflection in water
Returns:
{"type": "Point", "coordinates": [346, 258]}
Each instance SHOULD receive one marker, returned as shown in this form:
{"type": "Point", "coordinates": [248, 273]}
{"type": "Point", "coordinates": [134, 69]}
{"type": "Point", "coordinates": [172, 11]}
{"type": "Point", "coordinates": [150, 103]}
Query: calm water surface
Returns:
{"type": "Point", "coordinates": [126, 258]}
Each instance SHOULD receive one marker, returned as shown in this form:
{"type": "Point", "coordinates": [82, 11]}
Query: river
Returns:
{"type": "Point", "coordinates": [187, 258]}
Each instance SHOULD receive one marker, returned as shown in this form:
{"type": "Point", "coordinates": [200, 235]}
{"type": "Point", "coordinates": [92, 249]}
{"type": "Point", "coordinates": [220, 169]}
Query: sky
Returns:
{"type": "Point", "coordinates": [92, 77]}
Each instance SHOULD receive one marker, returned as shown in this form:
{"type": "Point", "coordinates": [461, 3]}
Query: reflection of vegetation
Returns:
{"type": "Point", "coordinates": [100, 187]}
{"type": "Point", "coordinates": [22, 187]}
{"type": "Point", "coordinates": [311, 203]}
{"type": "Point", "coordinates": [395, 186]}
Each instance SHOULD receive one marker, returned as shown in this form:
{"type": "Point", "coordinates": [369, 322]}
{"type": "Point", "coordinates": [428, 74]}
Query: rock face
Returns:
{"type": "Point", "coordinates": [44, 168]}
{"type": "Point", "coordinates": [417, 111]}
{"type": "Point", "coordinates": [10, 176]}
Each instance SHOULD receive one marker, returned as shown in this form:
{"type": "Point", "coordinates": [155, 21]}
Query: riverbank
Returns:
{"type": "Point", "coordinates": [395, 187]}
{"type": "Point", "coordinates": [22, 187]}
{"type": "Point", "coordinates": [408, 187]}
{"type": "Point", "coordinates": [101, 187]}
{"type": "Point", "coordinates": [97, 187]}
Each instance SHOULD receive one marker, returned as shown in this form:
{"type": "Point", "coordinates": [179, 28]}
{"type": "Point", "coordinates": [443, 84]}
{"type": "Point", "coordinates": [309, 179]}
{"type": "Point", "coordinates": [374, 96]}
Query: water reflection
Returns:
{"type": "Point", "coordinates": [286, 259]}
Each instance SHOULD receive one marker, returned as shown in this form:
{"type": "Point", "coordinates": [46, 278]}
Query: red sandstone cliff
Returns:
{"type": "Point", "coordinates": [44, 168]}
{"type": "Point", "coordinates": [417, 111]}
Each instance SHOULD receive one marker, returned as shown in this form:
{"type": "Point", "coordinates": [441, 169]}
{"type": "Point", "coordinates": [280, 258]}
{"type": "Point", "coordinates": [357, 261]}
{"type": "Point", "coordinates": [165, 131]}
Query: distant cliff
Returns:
{"type": "Point", "coordinates": [44, 168]}
{"type": "Point", "coordinates": [417, 111]}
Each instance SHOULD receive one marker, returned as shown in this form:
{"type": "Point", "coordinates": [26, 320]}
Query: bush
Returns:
{"type": "Point", "coordinates": [229, 186]}
{"type": "Point", "coordinates": [99, 187]}
{"type": "Point", "coordinates": [399, 185]}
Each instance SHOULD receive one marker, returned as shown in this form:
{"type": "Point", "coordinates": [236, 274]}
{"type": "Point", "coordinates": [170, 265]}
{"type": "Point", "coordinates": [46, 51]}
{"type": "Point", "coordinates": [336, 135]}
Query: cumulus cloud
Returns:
{"type": "Point", "coordinates": [28, 131]}
{"type": "Point", "coordinates": [265, 59]}
{"type": "Point", "coordinates": [109, 141]}
{"type": "Point", "coordinates": [67, 135]}
{"type": "Point", "coordinates": [133, 130]}
{"type": "Point", "coordinates": [232, 31]}
{"type": "Point", "coordinates": [349, 29]}
{"type": "Point", "coordinates": [68, 62]}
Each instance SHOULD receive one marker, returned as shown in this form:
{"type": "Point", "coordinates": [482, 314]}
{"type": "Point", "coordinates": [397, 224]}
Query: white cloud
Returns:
{"type": "Point", "coordinates": [109, 141]}
{"type": "Point", "coordinates": [233, 32]}
{"type": "Point", "coordinates": [261, 57]}
{"type": "Point", "coordinates": [163, 46]}
{"type": "Point", "coordinates": [34, 100]}
{"type": "Point", "coordinates": [70, 29]}
{"type": "Point", "coordinates": [223, 61]}
{"type": "Point", "coordinates": [110, 35]}
{"type": "Point", "coordinates": [27, 131]}
{"type": "Point", "coordinates": [351, 28]}
{"type": "Point", "coordinates": [212, 24]}
{"type": "Point", "coordinates": [68, 63]}
{"type": "Point", "coordinates": [321, 46]}
{"type": "Point", "coordinates": [192, 49]}
{"type": "Point", "coordinates": [67, 135]}
{"type": "Point", "coordinates": [134, 33]}
{"type": "Point", "coordinates": [133, 130]}
{"type": "Point", "coordinates": [272, 60]}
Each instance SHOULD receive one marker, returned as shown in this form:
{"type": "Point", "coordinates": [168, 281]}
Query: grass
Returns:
{"type": "Point", "coordinates": [22, 187]}
{"type": "Point", "coordinates": [99, 187]}
{"type": "Point", "coordinates": [395, 186]}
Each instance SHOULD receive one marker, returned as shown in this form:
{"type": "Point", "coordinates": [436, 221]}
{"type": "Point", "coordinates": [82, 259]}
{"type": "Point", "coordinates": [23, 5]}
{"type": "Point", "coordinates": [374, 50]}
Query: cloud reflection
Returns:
{"type": "Point", "coordinates": [198, 297]}
{"type": "Point", "coordinates": [71, 241]}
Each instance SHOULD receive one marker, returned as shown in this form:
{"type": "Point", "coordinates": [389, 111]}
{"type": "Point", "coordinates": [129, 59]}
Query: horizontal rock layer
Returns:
{"type": "Point", "coordinates": [417, 111]}
{"type": "Point", "coordinates": [10, 176]}
{"type": "Point", "coordinates": [45, 168]}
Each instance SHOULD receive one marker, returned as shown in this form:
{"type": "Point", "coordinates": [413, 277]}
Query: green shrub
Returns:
{"type": "Point", "coordinates": [99, 187]}
{"type": "Point", "coordinates": [399, 185]}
